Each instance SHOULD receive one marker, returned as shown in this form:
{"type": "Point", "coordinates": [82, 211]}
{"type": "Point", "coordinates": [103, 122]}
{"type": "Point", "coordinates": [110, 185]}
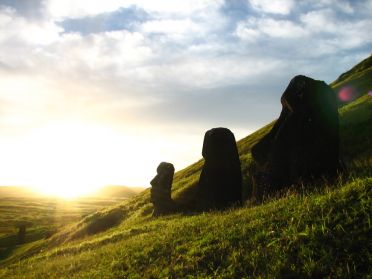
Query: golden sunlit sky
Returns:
{"type": "Point", "coordinates": [100, 92]}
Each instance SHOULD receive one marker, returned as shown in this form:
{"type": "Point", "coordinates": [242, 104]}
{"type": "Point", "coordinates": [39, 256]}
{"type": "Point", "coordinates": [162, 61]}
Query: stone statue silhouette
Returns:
{"type": "Point", "coordinates": [161, 189]}
{"type": "Point", "coordinates": [220, 183]}
{"type": "Point", "coordinates": [304, 143]}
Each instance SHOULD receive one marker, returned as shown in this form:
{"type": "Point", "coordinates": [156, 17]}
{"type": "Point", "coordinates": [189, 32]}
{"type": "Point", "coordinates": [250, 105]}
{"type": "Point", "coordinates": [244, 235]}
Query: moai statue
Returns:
{"type": "Point", "coordinates": [303, 145]}
{"type": "Point", "coordinates": [161, 189]}
{"type": "Point", "coordinates": [220, 183]}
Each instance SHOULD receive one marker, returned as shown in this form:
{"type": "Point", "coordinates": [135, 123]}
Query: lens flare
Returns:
{"type": "Point", "coordinates": [346, 94]}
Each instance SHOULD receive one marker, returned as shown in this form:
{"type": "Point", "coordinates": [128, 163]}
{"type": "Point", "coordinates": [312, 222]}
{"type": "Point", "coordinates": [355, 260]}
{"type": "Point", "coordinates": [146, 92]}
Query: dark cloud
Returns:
{"type": "Point", "coordinates": [235, 10]}
{"type": "Point", "coordinates": [27, 8]}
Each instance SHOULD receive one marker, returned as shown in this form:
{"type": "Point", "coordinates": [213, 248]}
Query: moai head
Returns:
{"type": "Point", "coordinates": [313, 99]}
{"type": "Point", "coordinates": [164, 177]}
{"type": "Point", "coordinates": [219, 143]}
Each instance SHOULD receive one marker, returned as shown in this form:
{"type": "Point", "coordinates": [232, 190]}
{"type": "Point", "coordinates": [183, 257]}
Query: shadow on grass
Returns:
{"type": "Point", "coordinates": [99, 221]}
{"type": "Point", "coordinates": [5, 252]}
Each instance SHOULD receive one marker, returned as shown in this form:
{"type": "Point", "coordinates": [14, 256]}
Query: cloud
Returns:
{"type": "Point", "coordinates": [82, 8]}
{"type": "Point", "coordinates": [123, 18]}
{"type": "Point", "coordinates": [314, 32]}
{"type": "Point", "coordinates": [344, 6]}
{"type": "Point", "coordinates": [281, 28]}
{"type": "Point", "coordinates": [155, 50]}
{"type": "Point", "coordinates": [252, 29]}
{"type": "Point", "coordinates": [28, 32]}
{"type": "Point", "coordinates": [168, 66]}
{"type": "Point", "coordinates": [282, 7]}
{"type": "Point", "coordinates": [31, 9]}
{"type": "Point", "coordinates": [335, 33]}
{"type": "Point", "coordinates": [246, 31]}
{"type": "Point", "coordinates": [170, 26]}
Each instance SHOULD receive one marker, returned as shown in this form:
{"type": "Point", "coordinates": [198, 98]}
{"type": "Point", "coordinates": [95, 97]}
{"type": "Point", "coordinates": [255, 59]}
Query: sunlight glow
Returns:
{"type": "Point", "coordinates": [70, 159]}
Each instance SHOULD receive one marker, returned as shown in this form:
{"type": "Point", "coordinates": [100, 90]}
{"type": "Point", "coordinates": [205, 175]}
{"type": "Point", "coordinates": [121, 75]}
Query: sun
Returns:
{"type": "Point", "coordinates": [72, 158]}
{"type": "Point", "coordinates": [69, 159]}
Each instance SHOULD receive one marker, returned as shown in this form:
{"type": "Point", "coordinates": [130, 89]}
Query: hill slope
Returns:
{"type": "Point", "coordinates": [354, 83]}
{"type": "Point", "coordinates": [298, 235]}
{"type": "Point", "coordinates": [304, 234]}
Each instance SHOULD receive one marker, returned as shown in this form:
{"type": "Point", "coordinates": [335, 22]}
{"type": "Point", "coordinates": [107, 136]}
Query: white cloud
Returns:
{"type": "Point", "coordinates": [97, 51]}
{"type": "Point", "coordinates": [334, 33]}
{"type": "Point", "coordinates": [340, 5]}
{"type": "Point", "coordinates": [281, 28]}
{"type": "Point", "coordinates": [171, 26]}
{"type": "Point", "coordinates": [282, 7]}
{"type": "Point", "coordinates": [19, 29]}
{"type": "Point", "coordinates": [321, 21]}
{"type": "Point", "coordinates": [318, 32]}
{"type": "Point", "coordinates": [254, 28]}
{"type": "Point", "coordinates": [80, 8]}
{"type": "Point", "coordinates": [246, 32]}
{"type": "Point", "coordinates": [207, 73]}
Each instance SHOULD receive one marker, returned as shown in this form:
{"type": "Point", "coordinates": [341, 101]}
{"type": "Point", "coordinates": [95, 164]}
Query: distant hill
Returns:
{"type": "Point", "coordinates": [106, 192]}
{"type": "Point", "coordinates": [323, 233]}
{"type": "Point", "coordinates": [16, 191]}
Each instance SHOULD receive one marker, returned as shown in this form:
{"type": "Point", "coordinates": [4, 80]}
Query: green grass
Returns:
{"type": "Point", "coordinates": [304, 235]}
{"type": "Point", "coordinates": [355, 130]}
{"type": "Point", "coordinates": [322, 231]}
{"type": "Point", "coordinates": [43, 218]}
{"type": "Point", "coordinates": [359, 78]}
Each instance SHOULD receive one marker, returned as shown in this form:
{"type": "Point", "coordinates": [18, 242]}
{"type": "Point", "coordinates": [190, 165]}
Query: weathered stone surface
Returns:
{"type": "Point", "coordinates": [303, 145]}
{"type": "Point", "coordinates": [220, 183]}
{"type": "Point", "coordinates": [161, 189]}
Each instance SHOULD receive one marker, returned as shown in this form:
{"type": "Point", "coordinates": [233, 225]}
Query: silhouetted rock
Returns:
{"type": "Point", "coordinates": [161, 189]}
{"type": "Point", "coordinates": [21, 233]}
{"type": "Point", "coordinates": [304, 143]}
{"type": "Point", "coordinates": [220, 183]}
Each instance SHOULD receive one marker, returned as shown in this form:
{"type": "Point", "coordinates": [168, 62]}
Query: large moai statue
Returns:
{"type": "Point", "coordinates": [303, 145]}
{"type": "Point", "coordinates": [161, 189]}
{"type": "Point", "coordinates": [220, 183]}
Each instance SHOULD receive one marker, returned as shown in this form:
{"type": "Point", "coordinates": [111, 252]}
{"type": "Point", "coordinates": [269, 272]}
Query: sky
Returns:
{"type": "Point", "coordinates": [100, 92]}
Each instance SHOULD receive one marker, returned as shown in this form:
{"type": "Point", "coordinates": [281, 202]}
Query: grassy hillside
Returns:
{"type": "Point", "coordinates": [355, 130]}
{"type": "Point", "coordinates": [43, 216]}
{"type": "Point", "coordinates": [300, 235]}
{"type": "Point", "coordinates": [358, 79]}
{"type": "Point", "coordinates": [315, 234]}
{"type": "Point", "coordinates": [115, 191]}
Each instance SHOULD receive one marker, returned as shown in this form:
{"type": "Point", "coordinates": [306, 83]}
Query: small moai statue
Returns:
{"type": "Point", "coordinates": [161, 189]}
